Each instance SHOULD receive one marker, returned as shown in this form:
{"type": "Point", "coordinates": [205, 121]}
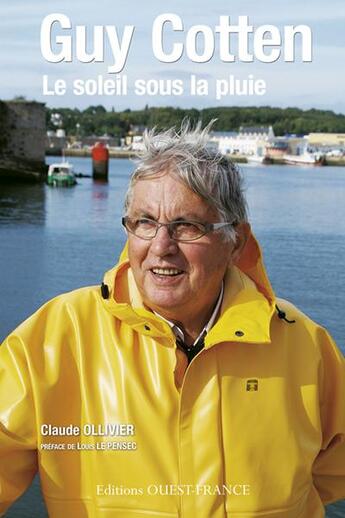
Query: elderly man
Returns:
{"type": "Point", "coordinates": [183, 387]}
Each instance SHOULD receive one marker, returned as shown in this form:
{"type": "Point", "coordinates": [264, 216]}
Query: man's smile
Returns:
{"type": "Point", "coordinates": [171, 272]}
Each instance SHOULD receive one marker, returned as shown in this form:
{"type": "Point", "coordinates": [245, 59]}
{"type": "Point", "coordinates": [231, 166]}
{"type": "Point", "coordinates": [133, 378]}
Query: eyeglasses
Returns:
{"type": "Point", "coordinates": [146, 228]}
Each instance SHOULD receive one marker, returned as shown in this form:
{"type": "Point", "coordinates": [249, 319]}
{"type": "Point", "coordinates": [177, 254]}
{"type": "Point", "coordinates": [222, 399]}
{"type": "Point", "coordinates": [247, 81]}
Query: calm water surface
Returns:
{"type": "Point", "coordinates": [54, 240]}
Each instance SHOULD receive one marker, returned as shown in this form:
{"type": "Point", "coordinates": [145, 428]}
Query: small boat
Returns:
{"type": "Point", "coordinates": [61, 175]}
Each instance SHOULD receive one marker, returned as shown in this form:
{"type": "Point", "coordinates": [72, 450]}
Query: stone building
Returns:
{"type": "Point", "coordinates": [22, 141]}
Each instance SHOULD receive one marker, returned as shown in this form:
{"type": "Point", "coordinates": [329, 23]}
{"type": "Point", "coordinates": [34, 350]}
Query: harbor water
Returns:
{"type": "Point", "coordinates": [54, 240]}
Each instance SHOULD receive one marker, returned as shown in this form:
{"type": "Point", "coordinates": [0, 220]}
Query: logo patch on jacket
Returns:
{"type": "Point", "coordinates": [252, 385]}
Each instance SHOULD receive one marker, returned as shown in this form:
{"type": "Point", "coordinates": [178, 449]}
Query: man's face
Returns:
{"type": "Point", "coordinates": [200, 265]}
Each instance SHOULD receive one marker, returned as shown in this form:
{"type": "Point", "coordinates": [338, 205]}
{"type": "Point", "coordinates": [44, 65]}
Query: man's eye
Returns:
{"type": "Point", "coordinates": [188, 226]}
{"type": "Point", "coordinates": [184, 224]}
{"type": "Point", "coordinates": [142, 222]}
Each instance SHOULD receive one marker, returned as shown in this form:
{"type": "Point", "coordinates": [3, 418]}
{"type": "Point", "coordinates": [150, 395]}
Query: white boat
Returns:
{"type": "Point", "coordinates": [305, 159]}
{"type": "Point", "coordinates": [61, 175]}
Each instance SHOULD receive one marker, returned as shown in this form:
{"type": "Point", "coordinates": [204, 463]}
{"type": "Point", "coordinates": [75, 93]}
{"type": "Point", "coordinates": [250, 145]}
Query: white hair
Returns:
{"type": "Point", "coordinates": [210, 175]}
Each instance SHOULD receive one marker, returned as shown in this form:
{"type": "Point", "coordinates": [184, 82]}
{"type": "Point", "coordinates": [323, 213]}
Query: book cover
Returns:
{"type": "Point", "coordinates": [105, 70]}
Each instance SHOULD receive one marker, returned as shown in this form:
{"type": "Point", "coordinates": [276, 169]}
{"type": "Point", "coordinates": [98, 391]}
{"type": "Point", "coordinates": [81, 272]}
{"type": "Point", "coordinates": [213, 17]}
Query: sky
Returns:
{"type": "Point", "coordinates": [316, 84]}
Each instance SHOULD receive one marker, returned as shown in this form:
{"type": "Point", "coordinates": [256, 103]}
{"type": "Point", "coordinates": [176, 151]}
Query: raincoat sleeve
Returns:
{"type": "Point", "coordinates": [18, 457]}
{"type": "Point", "coordinates": [329, 466]}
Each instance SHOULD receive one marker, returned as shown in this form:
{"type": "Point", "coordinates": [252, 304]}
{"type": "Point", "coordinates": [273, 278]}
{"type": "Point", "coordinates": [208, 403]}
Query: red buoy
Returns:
{"type": "Point", "coordinates": [100, 161]}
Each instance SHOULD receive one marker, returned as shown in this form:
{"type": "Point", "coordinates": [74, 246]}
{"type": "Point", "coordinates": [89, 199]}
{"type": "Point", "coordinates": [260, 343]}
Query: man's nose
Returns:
{"type": "Point", "coordinates": [162, 243]}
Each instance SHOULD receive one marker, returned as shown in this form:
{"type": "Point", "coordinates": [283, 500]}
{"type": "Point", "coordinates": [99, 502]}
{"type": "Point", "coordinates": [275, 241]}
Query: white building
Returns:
{"type": "Point", "coordinates": [137, 143]}
{"type": "Point", "coordinates": [222, 141]}
{"type": "Point", "coordinates": [253, 140]}
{"type": "Point", "coordinates": [248, 141]}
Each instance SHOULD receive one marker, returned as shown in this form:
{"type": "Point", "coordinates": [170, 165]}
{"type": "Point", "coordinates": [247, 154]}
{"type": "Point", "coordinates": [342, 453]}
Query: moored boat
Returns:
{"type": "Point", "coordinates": [61, 175]}
{"type": "Point", "coordinates": [305, 159]}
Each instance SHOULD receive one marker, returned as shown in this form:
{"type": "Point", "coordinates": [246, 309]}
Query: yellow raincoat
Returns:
{"type": "Point", "coordinates": [92, 396]}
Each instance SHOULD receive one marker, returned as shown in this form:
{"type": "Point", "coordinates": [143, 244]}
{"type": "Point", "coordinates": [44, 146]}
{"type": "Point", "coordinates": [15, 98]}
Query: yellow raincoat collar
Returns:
{"type": "Point", "coordinates": [246, 311]}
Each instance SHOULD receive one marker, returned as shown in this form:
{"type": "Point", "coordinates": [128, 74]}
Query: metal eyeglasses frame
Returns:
{"type": "Point", "coordinates": [208, 227]}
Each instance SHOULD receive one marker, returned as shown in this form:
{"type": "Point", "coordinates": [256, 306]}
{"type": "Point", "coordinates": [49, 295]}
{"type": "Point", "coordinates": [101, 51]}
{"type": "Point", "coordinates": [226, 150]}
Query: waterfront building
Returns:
{"type": "Point", "coordinates": [22, 140]}
{"type": "Point", "coordinates": [134, 137]}
{"type": "Point", "coordinates": [287, 145]}
{"type": "Point", "coordinates": [223, 141]}
{"type": "Point", "coordinates": [247, 141]}
{"type": "Point", "coordinates": [330, 143]}
{"type": "Point", "coordinates": [23, 128]}
{"type": "Point", "coordinates": [253, 140]}
{"type": "Point", "coordinates": [137, 143]}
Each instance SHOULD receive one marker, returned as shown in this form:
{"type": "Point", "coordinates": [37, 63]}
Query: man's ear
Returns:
{"type": "Point", "coordinates": [243, 232]}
